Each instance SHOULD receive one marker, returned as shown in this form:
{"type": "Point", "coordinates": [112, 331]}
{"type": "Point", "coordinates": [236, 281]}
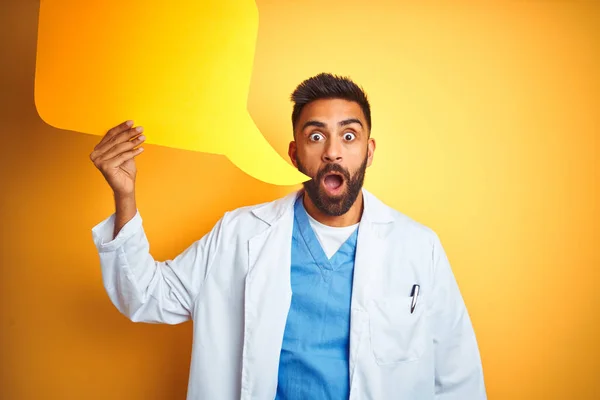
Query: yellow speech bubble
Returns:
{"type": "Point", "coordinates": [180, 70]}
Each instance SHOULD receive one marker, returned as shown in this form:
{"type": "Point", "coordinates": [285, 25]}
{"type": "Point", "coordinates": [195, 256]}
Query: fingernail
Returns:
{"type": "Point", "coordinates": [141, 137]}
{"type": "Point", "coordinates": [129, 123]}
{"type": "Point", "coordinates": [140, 129]}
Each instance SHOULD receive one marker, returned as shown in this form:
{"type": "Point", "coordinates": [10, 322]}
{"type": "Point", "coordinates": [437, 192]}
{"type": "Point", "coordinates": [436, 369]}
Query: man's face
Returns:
{"type": "Point", "coordinates": [332, 146]}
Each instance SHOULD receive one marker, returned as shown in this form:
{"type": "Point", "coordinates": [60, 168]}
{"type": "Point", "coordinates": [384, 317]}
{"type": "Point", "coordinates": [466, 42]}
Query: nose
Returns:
{"type": "Point", "coordinates": [333, 151]}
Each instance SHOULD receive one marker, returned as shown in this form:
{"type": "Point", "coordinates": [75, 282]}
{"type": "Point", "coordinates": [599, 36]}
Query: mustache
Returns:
{"type": "Point", "coordinates": [332, 168]}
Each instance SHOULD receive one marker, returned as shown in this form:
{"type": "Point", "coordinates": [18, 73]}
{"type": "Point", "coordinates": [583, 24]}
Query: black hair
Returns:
{"type": "Point", "coordinates": [328, 86]}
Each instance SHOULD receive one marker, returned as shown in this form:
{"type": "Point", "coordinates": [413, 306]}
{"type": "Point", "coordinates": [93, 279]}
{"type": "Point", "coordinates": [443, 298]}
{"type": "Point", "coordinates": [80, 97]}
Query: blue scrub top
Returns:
{"type": "Point", "coordinates": [314, 354]}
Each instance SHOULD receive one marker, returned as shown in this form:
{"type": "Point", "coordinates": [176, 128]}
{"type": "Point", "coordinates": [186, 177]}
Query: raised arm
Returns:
{"type": "Point", "coordinates": [146, 290]}
{"type": "Point", "coordinates": [143, 289]}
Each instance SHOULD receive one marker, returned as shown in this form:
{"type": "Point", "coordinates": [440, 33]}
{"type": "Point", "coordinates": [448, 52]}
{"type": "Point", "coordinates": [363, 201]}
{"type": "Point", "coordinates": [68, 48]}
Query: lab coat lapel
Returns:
{"type": "Point", "coordinates": [376, 223]}
{"type": "Point", "coordinates": [267, 298]}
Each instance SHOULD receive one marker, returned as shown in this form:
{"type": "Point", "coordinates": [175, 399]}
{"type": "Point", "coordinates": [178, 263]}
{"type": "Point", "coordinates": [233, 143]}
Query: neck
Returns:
{"type": "Point", "coordinates": [351, 217]}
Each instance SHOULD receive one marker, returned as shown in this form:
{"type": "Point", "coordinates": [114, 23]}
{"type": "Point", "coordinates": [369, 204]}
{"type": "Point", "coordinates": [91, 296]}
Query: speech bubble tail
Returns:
{"type": "Point", "coordinates": [258, 159]}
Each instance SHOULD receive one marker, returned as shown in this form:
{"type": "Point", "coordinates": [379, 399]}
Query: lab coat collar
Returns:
{"type": "Point", "coordinates": [271, 212]}
{"type": "Point", "coordinates": [374, 210]}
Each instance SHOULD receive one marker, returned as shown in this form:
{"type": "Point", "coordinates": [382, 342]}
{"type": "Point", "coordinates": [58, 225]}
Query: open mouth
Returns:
{"type": "Point", "coordinates": [333, 181]}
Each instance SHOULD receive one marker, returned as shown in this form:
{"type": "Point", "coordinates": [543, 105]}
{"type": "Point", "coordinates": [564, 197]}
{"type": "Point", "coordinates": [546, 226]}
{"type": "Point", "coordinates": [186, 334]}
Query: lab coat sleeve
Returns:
{"type": "Point", "coordinates": [146, 290]}
{"type": "Point", "coordinates": [458, 367]}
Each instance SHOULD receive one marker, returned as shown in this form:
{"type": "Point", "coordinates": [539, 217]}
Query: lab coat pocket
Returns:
{"type": "Point", "coordinates": [397, 336]}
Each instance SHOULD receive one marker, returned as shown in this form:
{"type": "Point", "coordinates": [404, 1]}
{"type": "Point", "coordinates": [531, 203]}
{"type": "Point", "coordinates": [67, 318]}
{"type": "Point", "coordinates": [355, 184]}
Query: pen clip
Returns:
{"type": "Point", "coordinates": [414, 294]}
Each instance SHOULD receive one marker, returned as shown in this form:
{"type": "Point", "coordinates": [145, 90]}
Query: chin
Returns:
{"type": "Point", "coordinates": [333, 206]}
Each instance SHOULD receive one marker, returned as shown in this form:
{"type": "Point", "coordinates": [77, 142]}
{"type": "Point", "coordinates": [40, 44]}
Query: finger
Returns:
{"type": "Point", "coordinates": [116, 130]}
{"type": "Point", "coordinates": [122, 137]}
{"type": "Point", "coordinates": [121, 158]}
{"type": "Point", "coordinates": [121, 147]}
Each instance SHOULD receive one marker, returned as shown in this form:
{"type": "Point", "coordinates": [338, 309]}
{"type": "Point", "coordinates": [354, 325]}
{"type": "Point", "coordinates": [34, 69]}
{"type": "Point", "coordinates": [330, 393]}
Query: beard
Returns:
{"type": "Point", "coordinates": [334, 205]}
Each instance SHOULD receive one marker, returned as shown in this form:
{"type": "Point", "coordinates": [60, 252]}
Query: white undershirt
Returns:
{"type": "Point", "coordinates": [331, 237]}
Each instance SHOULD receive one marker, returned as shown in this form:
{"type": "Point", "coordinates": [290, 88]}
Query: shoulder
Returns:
{"type": "Point", "coordinates": [404, 227]}
{"type": "Point", "coordinates": [256, 217]}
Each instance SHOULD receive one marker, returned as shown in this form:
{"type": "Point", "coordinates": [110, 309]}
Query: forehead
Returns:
{"type": "Point", "coordinates": [331, 111]}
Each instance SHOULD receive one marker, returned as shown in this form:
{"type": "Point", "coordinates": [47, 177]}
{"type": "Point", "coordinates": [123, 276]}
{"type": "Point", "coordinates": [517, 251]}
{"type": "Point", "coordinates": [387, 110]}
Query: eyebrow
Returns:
{"type": "Point", "coordinates": [320, 124]}
{"type": "Point", "coordinates": [350, 121]}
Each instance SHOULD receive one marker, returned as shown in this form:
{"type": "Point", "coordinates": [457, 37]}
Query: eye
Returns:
{"type": "Point", "coordinates": [315, 137]}
{"type": "Point", "coordinates": [349, 136]}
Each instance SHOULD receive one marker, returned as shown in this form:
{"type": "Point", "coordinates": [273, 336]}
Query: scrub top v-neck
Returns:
{"type": "Point", "coordinates": [314, 354]}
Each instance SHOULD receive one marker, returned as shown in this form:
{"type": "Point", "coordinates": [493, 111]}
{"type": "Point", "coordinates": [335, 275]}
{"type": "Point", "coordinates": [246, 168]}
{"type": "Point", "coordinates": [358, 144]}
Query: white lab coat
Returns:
{"type": "Point", "coordinates": [234, 283]}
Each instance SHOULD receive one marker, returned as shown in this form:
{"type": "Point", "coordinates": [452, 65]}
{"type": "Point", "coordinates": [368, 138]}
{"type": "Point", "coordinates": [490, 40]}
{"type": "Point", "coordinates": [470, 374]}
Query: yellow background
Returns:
{"type": "Point", "coordinates": [488, 131]}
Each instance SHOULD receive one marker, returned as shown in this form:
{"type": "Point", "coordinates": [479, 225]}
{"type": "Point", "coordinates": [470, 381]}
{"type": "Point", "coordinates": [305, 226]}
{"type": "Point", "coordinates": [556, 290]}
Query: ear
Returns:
{"type": "Point", "coordinates": [370, 151]}
{"type": "Point", "coordinates": [292, 149]}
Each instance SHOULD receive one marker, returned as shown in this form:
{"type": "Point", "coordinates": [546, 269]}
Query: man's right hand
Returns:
{"type": "Point", "coordinates": [114, 157]}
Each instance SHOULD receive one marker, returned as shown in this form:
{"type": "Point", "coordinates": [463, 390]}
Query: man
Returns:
{"type": "Point", "coordinates": [326, 293]}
